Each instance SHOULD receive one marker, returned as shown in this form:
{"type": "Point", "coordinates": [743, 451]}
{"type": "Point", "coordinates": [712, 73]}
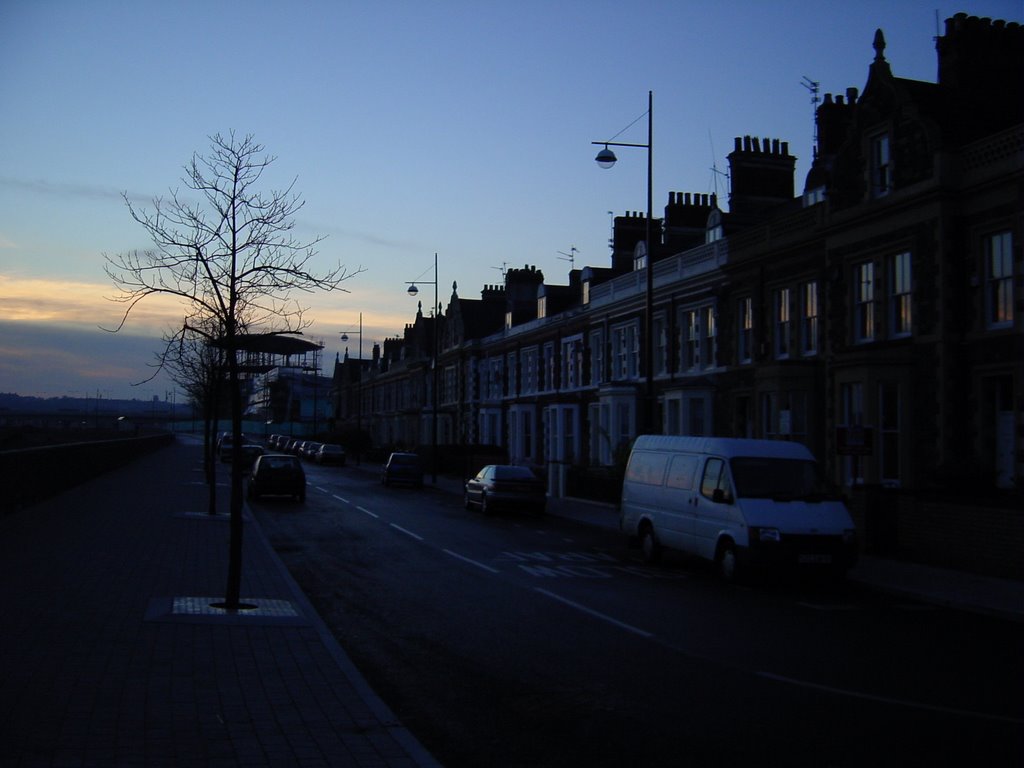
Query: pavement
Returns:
{"type": "Point", "coordinates": [114, 653]}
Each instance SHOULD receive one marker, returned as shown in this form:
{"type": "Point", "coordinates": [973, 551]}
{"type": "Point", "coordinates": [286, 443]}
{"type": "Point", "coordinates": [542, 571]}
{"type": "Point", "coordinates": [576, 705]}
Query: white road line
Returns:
{"type": "Point", "coordinates": [343, 501]}
{"type": "Point", "coordinates": [596, 614]}
{"type": "Point", "coordinates": [472, 562]}
{"type": "Point", "coordinates": [405, 531]}
{"type": "Point", "coordinates": [888, 700]}
{"type": "Point", "coordinates": [322, 490]}
{"type": "Point", "coordinates": [368, 512]}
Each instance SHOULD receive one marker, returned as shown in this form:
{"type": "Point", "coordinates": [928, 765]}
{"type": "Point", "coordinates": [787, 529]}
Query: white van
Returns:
{"type": "Point", "coordinates": [736, 502]}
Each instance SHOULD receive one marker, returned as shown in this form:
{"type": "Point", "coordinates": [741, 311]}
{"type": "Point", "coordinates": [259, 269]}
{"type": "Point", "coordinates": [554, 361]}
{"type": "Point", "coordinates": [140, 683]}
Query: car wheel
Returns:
{"type": "Point", "coordinates": [484, 506]}
{"type": "Point", "coordinates": [649, 547]}
{"type": "Point", "coordinates": [469, 504]}
{"type": "Point", "coordinates": [728, 567]}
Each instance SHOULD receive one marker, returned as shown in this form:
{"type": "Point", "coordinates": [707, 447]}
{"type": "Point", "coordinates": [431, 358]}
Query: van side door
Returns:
{"type": "Point", "coordinates": [679, 499]}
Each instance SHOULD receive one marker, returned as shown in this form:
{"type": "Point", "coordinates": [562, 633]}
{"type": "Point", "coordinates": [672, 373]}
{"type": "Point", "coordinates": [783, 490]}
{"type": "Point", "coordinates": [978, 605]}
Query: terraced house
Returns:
{"type": "Point", "coordinates": [875, 316]}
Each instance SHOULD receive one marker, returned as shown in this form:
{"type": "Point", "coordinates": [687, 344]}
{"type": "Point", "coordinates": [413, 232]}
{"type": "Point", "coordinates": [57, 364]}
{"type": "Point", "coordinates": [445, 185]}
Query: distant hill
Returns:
{"type": "Point", "coordinates": [14, 403]}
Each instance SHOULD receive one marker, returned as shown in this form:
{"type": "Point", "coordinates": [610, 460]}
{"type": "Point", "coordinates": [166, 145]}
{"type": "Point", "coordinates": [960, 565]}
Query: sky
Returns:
{"type": "Point", "coordinates": [461, 128]}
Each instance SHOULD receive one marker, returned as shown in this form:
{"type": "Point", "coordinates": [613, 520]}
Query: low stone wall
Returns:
{"type": "Point", "coordinates": [32, 474]}
{"type": "Point", "coordinates": [983, 536]}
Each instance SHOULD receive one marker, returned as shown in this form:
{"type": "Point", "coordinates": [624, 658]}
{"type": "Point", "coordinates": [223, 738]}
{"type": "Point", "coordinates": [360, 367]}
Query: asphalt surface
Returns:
{"type": "Point", "coordinates": [114, 654]}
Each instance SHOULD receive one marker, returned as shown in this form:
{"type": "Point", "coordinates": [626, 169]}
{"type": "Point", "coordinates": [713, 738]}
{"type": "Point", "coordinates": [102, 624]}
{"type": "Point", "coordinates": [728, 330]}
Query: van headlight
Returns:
{"type": "Point", "coordinates": [769, 535]}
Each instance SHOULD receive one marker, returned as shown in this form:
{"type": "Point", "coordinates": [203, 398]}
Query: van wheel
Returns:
{"type": "Point", "coordinates": [649, 546]}
{"type": "Point", "coordinates": [727, 565]}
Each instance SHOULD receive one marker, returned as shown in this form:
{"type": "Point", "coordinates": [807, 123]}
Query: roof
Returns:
{"type": "Point", "coordinates": [270, 343]}
{"type": "Point", "coordinates": [724, 446]}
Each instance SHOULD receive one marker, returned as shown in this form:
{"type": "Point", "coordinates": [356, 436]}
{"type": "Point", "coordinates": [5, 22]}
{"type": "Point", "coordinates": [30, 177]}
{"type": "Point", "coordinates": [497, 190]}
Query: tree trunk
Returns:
{"type": "Point", "coordinates": [232, 599]}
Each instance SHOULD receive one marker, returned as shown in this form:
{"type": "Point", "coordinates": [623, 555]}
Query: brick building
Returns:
{"type": "Point", "coordinates": [878, 316]}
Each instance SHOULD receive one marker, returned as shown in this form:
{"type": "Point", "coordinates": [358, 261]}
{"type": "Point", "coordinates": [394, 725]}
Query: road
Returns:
{"type": "Point", "coordinates": [520, 641]}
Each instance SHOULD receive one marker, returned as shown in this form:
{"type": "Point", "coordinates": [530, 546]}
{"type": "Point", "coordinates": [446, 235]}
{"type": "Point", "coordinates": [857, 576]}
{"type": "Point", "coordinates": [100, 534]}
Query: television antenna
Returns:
{"type": "Point", "coordinates": [503, 269]}
{"type": "Point", "coordinates": [570, 257]}
{"type": "Point", "coordinates": [814, 87]}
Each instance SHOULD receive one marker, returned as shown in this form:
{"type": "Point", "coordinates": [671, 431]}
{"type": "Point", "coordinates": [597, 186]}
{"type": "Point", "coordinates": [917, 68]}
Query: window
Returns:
{"type": "Point", "coordinates": [572, 362]}
{"type": "Point", "coordinates": [660, 345]}
{"type": "Point", "coordinates": [889, 427]}
{"type": "Point", "coordinates": [784, 414]}
{"type": "Point", "coordinates": [596, 358]}
{"type": "Point", "coordinates": [864, 302]}
{"type": "Point", "coordinates": [681, 472]}
{"type": "Point", "coordinates": [715, 478]}
{"type": "Point", "coordinates": [529, 371]}
{"type": "Point", "coordinates": [709, 342]}
{"type": "Point", "coordinates": [999, 280]}
{"type": "Point", "coordinates": [496, 379]}
{"type": "Point", "coordinates": [881, 166]}
{"type": "Point", "coordinates": [809, 318]}
{"type": "Point", "coordinates": [549, 367]}
{"type": "Point", "coordinates": [691, 340]}
{"type": "Point", "coordinates": [745, 323]}
{"type": "Point", "coordinates": [782, 323]}
{"type": "Point", "coordinates": [851, 403]}
{"type": "Point", "coordinates": [698, 345]}
{"type": "Point", "coordinates": [626, 352]}
{"type": "Point", "coordinates": [542, 307]}
{"type": "Point", "coordinates": [899, 295]}
{"type": "Point", "coordinates": [513, 374]}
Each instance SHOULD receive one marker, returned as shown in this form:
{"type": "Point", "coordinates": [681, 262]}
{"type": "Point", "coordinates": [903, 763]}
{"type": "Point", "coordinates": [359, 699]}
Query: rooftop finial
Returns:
{"type": "Point", "coordinates": [879, 45]}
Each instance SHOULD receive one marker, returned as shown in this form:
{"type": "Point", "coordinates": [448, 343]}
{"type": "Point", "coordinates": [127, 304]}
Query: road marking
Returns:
{"type": "Point", "coordinates": [368, 512]}
{"type": "Point", "coordinates": [405, 531]}
{"type": "Point", "coordinates": [596, 614]}
{"type": "Point", "coordinates": [888, 700]}
{"type": "Point", "coordinates": [322, 490]}
{"type": "Point", "coordinates": [829, 606]}
{"type": "Point", "coordinates": [472, 562]}
{"type": "Point", "coordinates": [343, 501]}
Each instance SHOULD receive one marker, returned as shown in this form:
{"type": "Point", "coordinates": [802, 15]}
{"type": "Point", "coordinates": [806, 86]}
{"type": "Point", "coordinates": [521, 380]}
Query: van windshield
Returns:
{"type": "Point", "coordinates": [779, 479]}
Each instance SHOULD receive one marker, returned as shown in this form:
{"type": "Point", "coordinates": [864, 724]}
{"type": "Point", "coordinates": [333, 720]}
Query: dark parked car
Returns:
{"type": "Point", "coordinates": [403, 468]}
{"type": "Point", "coordinates": [249, 453]}
{"type": "Point", "coordinates": [508, 486]}
{"type": "Point", "coordinates": [330, 454]}
{"type": "Point", "coordinates": [277, 474]}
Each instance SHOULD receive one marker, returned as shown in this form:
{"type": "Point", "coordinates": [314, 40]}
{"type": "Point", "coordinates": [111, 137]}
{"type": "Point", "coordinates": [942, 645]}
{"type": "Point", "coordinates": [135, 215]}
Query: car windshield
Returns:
{"type": "Point", "coordinates": [278, 462]}
{"type": "Point", "coordinates": [404, 459]}
{"type": "Point", "coordinates": [512, 473]}
{"type": "Point", "coordinates": [773, 478]}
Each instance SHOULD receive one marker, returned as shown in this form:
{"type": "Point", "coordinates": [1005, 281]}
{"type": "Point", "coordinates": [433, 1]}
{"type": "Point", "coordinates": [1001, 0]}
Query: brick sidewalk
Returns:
{"type": "Point", "coordinates": [111, 656]}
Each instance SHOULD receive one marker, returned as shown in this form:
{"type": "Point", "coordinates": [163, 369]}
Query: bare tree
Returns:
{"type": "Point", "coordinates": [231, 257]}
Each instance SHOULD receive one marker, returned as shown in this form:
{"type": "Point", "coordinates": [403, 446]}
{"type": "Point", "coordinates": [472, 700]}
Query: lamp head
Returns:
{"type": "Point", "coordinates": [606, 158]}
{"type": "Point", "coordinates": [413, 290]}
{"type": "Point", "coordinates": [344, 337]}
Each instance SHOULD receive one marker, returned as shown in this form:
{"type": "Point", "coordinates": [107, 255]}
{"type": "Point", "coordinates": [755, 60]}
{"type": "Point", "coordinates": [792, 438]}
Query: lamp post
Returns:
{"type": "Point", "coordinates": [359, 391]}
{"type": "Point", "coordinates": [606, 159]}
{"type": "Point", "coordinates": [412, 291]}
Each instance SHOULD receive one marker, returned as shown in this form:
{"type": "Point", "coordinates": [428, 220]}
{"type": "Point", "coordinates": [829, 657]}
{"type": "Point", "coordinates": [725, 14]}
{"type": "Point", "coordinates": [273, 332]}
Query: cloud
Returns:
{"type": "Point", "coordinates": [71, 191]}
{"type": "Point", "coordinates": [68, 302]}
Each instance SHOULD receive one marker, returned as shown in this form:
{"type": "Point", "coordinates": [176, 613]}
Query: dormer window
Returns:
{"type": "Point", "coordinates": [714, 231]}
{"type": "Point", "coordinates": [881, 165]}
{"type": "Point", "coordinates": [640, 257]}
{"type": "Point", "coordinates": [814, 196]}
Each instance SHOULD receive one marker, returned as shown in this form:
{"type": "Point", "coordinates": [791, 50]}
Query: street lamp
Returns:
{"type": "Point", "coordinates": [412, 291]}
{"type": "Point", "coordinates": [606, 159]}
{"type": "Point", "coordinates": [359, 390]}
